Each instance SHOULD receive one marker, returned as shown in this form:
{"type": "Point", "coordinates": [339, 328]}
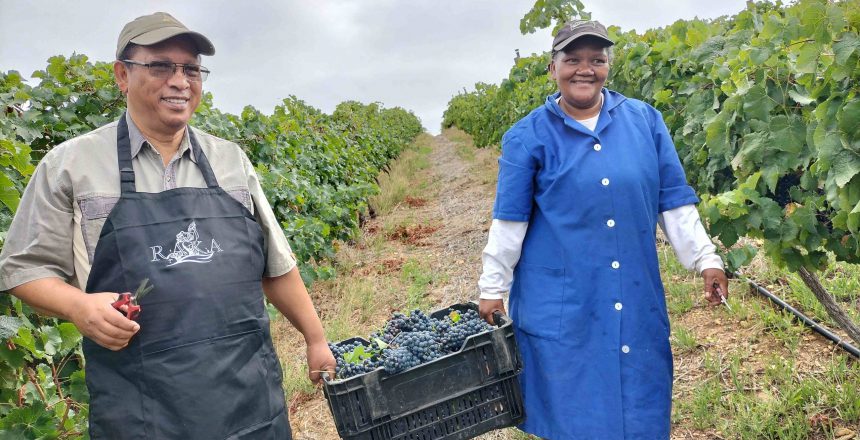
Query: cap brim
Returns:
{"type": "Point", "coordinates": [571, 39]}
{"type": "Point", "coordinates": [149, 38]}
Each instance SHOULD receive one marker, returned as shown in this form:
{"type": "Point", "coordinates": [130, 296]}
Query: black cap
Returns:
{"type": "Point", "coordinates": [575, 29]}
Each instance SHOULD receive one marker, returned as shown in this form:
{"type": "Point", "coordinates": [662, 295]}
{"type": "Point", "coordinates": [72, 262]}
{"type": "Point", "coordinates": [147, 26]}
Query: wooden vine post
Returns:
{"type": "Point", "coordinates": [826, 299]}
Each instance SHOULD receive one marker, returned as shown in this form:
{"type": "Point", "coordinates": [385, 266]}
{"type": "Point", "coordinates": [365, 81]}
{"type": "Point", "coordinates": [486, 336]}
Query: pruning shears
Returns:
{"type": "Point", "coordinates": [131, 301]}
{"type": "Point", "coordinates": [719, 291]}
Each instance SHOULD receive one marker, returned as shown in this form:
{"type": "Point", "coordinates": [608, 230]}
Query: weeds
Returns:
{"type": "Point", "coordinates": [418, 280]}
{"type": "Point", "coordinates": [704, 405]}
{"type": "Point", "coordinates": [680, 298]}
{"type": "Point", "coordinates": [684, 339]}
{"type": "Point", "coordinates": [400, 181]}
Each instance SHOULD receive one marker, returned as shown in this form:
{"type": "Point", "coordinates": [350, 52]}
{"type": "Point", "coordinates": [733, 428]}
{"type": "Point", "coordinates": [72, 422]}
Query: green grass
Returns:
{"type": "Point", "coordinates": [684, 339]}
{"type": "Point", "coordinates": [703, 407]}
{"type": "Point", "coordinates": [482, 160]}
{"type": "Point", "coordinates": [463, 142]}
{"type": "Point", "coordinates": [516, 434]}
{"type": "Point", "coordinates": [418, 279]}
{"type": "Point", "coordinates": [296, 379]}
{"type": "Point", "coordinates": [400, 181]}
{"type": "Point", "coordinates": [679, 298]}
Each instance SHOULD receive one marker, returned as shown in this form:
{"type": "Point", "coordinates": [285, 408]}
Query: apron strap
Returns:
{"type": "Point", "coordinates": [126, 171]}
{"type": "Point", "coordinates": [123, 148]}
{"type": "Point", "coordinates": [202, 161]}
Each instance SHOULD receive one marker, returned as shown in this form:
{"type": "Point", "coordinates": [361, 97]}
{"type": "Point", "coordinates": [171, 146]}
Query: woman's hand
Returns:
{"type": "Point", "coordinates": [712, 278]}
{"type": "Point", "coordinates": [486, 308]}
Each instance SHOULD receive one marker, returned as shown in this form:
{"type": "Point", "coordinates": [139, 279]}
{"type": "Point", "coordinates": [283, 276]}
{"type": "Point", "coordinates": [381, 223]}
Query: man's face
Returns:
{"type": "Point", "coordinates": [580, 73]}
{"type": "Point", "coordinates": [160, 105]}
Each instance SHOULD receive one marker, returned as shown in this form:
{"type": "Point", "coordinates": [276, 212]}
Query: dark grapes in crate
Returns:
{"type": "Point", "coordinates": [406, 341]}
{"type": "Point", "coordinates": [443, 376]}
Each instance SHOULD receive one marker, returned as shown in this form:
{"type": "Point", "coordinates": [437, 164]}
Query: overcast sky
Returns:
{"type": "Point", "coordinates": [411, 53]}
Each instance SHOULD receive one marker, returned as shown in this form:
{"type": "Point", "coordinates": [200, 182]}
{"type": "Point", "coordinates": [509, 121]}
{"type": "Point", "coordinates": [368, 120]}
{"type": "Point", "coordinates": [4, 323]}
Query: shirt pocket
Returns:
{"type": "Point", "coordinates": [540, 302]}
{"type": "Point", "coordinates": [95, 210]}
{"type": "Point", "coordinates": [243, 196]}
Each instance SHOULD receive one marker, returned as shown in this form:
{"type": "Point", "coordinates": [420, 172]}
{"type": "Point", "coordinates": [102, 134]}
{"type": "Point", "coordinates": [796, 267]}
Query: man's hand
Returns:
{"type": "Point", "coordinates": [486, 308]}
{"type": "Point", "coordinates": [320, 359]}
{"type": "Point", "coordinates": [718, 277]}
{"type": "Point", "coordinates": [96, 319]}
{"type": "Point", "coordinates": [288, 294]}
{"type": "Point", "coordinates": [91, 313]}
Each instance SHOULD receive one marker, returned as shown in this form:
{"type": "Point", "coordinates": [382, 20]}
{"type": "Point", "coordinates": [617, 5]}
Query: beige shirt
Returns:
{"type": "Point", "coordinates": [75, 186]}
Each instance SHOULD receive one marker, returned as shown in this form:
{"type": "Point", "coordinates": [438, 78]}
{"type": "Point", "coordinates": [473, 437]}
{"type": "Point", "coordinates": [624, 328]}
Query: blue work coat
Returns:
{"type": "Point", "coordinates": [587, 300]}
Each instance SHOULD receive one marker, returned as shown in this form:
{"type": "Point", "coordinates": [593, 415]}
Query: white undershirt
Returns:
{"type": "Point", "coordinates": [590, 123]}
{"type": "Point", "coordinates": [682, 226]}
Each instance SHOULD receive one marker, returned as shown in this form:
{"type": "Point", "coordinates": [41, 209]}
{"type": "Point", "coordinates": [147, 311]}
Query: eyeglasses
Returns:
{"type": "Point", "coordinates": [166, 69]}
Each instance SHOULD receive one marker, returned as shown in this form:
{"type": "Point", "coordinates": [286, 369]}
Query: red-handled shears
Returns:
{"type": "Point", "coordinates": [719, 291]}
{"type": "Point", "coordinates": [131, 301]}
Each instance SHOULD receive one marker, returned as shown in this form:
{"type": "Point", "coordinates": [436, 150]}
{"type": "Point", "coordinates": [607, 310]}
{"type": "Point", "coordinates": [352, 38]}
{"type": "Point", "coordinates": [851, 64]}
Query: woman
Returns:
{"type": "Point", "coordinates": [583, 182]}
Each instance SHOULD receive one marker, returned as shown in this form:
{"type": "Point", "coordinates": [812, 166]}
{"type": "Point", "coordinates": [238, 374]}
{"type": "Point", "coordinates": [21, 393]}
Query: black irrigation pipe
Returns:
{"type": "Point", "coordinates": [823, 331]}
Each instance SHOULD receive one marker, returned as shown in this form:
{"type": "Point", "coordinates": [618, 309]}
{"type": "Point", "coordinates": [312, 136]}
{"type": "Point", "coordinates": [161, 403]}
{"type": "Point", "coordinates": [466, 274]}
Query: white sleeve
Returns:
{"type": "Point", "coordinates": [686, 234]}
{"type": "Point", "coordinates": [500, 256]}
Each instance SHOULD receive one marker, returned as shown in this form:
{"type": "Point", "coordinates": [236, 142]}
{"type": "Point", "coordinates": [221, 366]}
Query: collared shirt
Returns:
{"type": "Point", "coordinates": [682, 226]}
{"type": "Point", "coordinates": [76, 185]}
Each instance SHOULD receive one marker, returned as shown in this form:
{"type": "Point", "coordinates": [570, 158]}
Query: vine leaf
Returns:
{"type": "Point", "coordinates": [849, 121]}
{"type": "Point", "coordinates": [846, 164]}
{"type": "Point", "coordinates": [9, 326]}
{"type": "Point", "coordinates": [800, 98]}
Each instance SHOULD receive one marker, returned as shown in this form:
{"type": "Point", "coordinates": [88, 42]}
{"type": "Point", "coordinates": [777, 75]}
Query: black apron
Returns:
{"type": "Point", "coordinates": [202, 365]}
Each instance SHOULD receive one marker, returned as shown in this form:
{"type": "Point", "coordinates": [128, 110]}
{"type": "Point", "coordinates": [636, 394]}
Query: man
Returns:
{"type": "Point", "coordinates": [110, 210]}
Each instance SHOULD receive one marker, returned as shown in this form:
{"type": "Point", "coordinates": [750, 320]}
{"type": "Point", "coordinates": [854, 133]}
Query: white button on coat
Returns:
{"type": "Point", "coordinates": [610, 223]}
{"type": "Point", "coordinates": [616, 265]}
{"type": "Point", "coordinates": [618, 306]}
{"type": "Point", "coordinates": [625, 349]}
{"type": "Point", "coordinates": [605, 181]}
{"type": "Point", "coordinates": [597, 147]}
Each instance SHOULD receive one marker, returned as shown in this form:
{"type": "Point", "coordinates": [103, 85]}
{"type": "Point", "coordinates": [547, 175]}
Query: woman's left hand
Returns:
{"type": "Point", "coordinates": [714, 277]}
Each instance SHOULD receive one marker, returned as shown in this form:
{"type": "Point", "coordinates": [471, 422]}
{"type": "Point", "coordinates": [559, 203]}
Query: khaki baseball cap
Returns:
{"type": "Point", "coordinates": [579, 28]}
{"type": "Point", "coordinates": [155, 28]}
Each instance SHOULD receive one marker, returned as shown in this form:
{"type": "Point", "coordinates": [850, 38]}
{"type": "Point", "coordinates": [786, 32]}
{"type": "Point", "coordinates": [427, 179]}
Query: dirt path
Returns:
{"type": "Point", "coordinates": [457, 209]}
{"type": "Point", "coordinates": [464, 207]}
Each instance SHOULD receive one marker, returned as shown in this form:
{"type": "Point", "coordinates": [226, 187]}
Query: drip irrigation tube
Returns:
{"type": "Point", "coordinates": [823, 331]}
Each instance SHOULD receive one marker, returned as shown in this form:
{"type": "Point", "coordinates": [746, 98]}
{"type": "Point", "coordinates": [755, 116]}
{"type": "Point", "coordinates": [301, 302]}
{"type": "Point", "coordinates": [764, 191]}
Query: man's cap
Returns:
{"type": "Point", "coordinates": [575, 29]}
{"type": "Point", "coordinates": [155, 28]}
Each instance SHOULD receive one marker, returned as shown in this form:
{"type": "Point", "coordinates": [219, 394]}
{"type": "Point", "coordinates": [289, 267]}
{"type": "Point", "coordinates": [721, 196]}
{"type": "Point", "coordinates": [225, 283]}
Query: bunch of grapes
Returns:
{"type": "Point", "coordinates": [362, 365]}
{"type": "Point", "coordinates": [396, 324]}
{"type": "Point", "coordinates": [398, 359]}
{"type": "Point", "coordinates": [406, 341]}
{"type": "Point", "coordinates": [470, 323]}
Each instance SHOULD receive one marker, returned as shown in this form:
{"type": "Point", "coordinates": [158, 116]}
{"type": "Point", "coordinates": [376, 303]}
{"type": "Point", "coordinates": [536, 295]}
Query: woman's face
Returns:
{"type": "Point", "coordinates": [580, 73]}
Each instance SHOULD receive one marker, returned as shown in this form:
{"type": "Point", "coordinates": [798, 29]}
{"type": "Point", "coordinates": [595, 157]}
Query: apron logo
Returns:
{"type": "Point", "coordinates": [187, 249]}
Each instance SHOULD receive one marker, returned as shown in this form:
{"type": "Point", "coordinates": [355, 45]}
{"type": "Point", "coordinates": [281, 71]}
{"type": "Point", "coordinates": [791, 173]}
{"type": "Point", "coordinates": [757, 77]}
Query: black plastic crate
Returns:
{"type": "Point", "coordinates": [458, 396]}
